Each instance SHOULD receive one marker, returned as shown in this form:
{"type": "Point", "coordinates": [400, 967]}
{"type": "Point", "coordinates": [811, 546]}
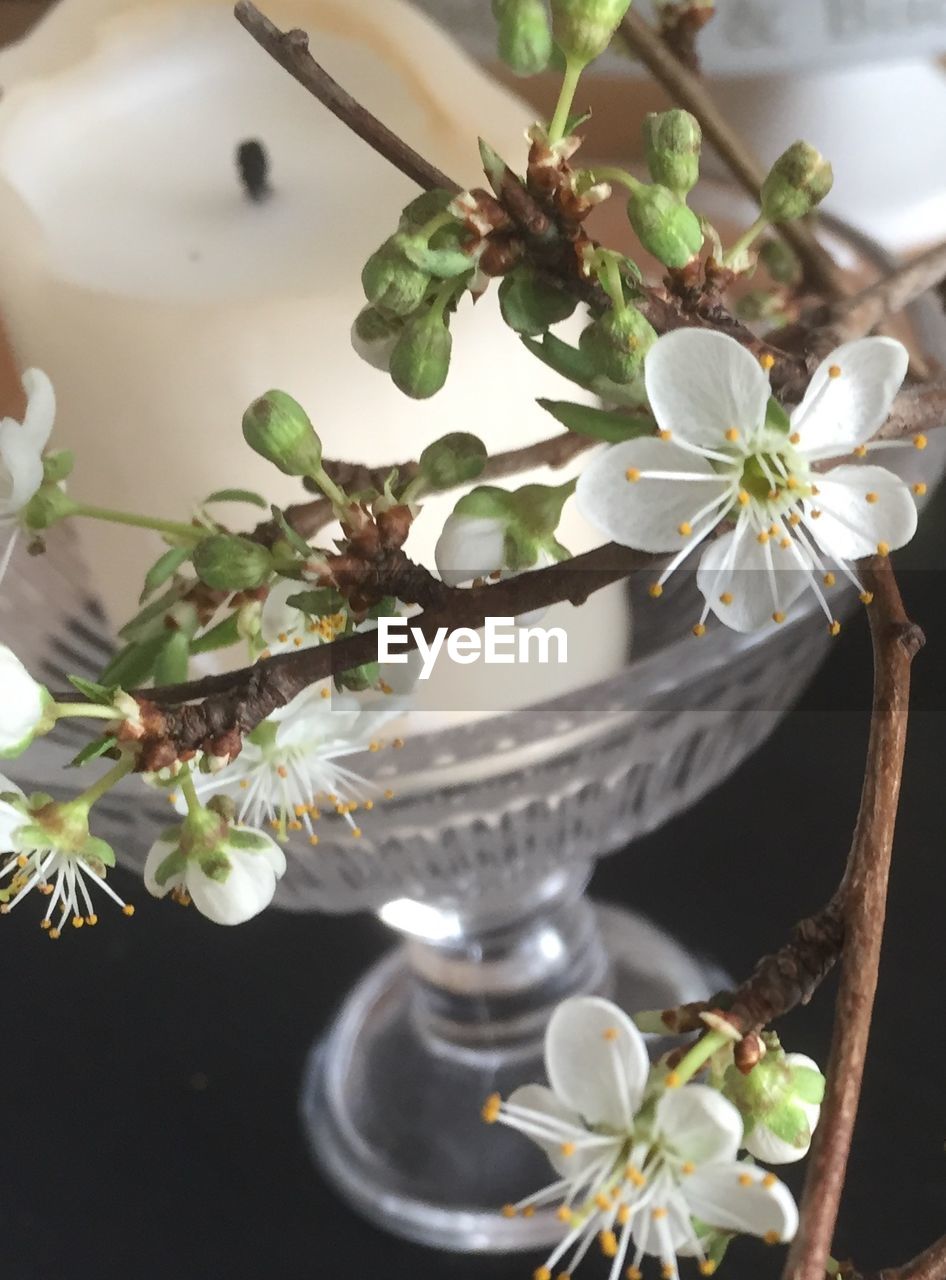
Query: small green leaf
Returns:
{"type": "Point", "coordinates": [57, 465]}
{"type": "Point", "coordinates": [142, 625]}
{"type": "Point", "coordinates": [776, 417]}
{"type": "Point", "coordinates": [174, 864]}
{"type": "Point", "coordinates": [94, 692]}
{"type": "Point", "coordinates": [611, 425]}
{"type": "Point", "coordinates": [216, 866]}
{"type": "Point", "coordinates": [564, 359]}
{"type": "Point", "coordinates": [808, 1085]}
{"type": "Point", "coordinates": [164, 568]}
{"type": "Point", "coordinates": [248, 840]}
{"type": "Point", "coordinates": [790, 1124]}
{"type": "Point", "coordinates": [219, 637]}
{"type": "Point", "coordinates": [576, 121]}
{"type": "Point", "coordinates": [295, 540]}
{"type": "Point", "coordinates": [135, 664]}
{"type": "Point", "coordinates": [92, 751]}
{"type": "Point", "coordinates": [317, 604]}
{"type": "Point", "coordinates": [172, 661]}
{"type": "Point", "coordinates": [96, 850]}
{"type": "Point", "coordinates": [238, 495]}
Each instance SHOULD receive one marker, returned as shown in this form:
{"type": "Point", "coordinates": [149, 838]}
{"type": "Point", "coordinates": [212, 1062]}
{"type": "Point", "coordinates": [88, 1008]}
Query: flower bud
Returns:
{"type": "Point", "coordinates": [583, 28]}
{"type": "Point", "coordinates": [373, 336]}
{"type": "Point", "coordinates": [617, 342]}
{"type": "Point", "coordinates": [530, 304]}
{"type": "Point", "coordinates": [392, 281]}
{"type": "Point", "coordinates": [28, 709]}
{"type": "Point", "coordinates": [672, 141]}
{"type": "Point", "coordinates": [420, 360]}
{"type": "Point", "coordinates": [227, 562]}
{"type": "Point", "coordinates": [525, 37]}
{"type": "Point", "coordinates": [423, 208]}
{"type": "Point", "coordinates": [780, 261]}
{"type": "Point", "coordinates": [780, 1104]}
{"type": "Point", "coordinates": [799, 180]}
{"type": "Point", "coordinates": [665, 227]}
{"type": "Point", "coordinates": [278, 428]}
{"type": "Point", "coordinates": [47, 505]}
{"type": "Point", "coordinates": [452, 460]}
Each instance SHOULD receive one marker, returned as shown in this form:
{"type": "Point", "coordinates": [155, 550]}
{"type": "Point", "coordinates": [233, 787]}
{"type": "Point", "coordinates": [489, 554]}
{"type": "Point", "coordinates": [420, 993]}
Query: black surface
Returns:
{"type": "Point", "coordinates": [150, 1067]}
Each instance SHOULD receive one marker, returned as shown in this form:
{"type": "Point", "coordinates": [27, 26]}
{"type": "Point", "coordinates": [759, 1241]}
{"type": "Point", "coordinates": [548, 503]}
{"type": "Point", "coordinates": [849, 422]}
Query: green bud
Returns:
{"type": "Point", "coordinates": [780, 261]}
{"type": "Point", "coordinates": [525, 37]}
{"type": "Point", "coordinates": [57, 465]}
{"type": "Point", "coordinates": [425, 207]}
{"type": "Point", "coordinates": [373, 336]}
{"type": "Point", "coordinates": [420, 360]}
{"type": "Point", "coordinates": [530, 304]}
{"type": "Point", "coordinates": [393, 282]}
{"type": "Point", "coordinates": [583, 28]}
{"type": "Point", "coordinates": [799, 180]}
{"type": "Point", "coordinates": [278, 428]}
{"type": "Point", "coordinates": [227, 562]}
{"type": "Point", "coordinates": [617, 342]}
{"type": "Point", "coordinates": [359, 679]}
{"type": "Point", "coordinates": [672, 141]}
{"type": "Point", "coordinates": [665, 227]}
{"type": "Point", "coordinates": [452, 460]}
{"type": "Point", "coordinates": [779, 1102]}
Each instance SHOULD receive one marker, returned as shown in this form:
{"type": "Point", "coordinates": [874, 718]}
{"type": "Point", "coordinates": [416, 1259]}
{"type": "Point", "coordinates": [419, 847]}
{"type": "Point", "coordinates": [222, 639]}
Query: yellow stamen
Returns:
{"type": "Point", "coordinates": [567, 1148]}
{"type": "Point", "coordinates": [920, 442]}
{"type": "Point", "coordinates": [726, 598]}
{"type": "Point", "coordinates": [772, 1237]}
{"type": "Point", "coordinates": [919, 489]}
{"type": "Point", "coordinates": [778, 616]}
{"type": "Point", "coordinates": [743, 498]}
{"type": "Point", "coordinates": [491, 1107]}
{"type": "Point", "coordinates": [762, 537]}
{"type": "Point", "coordinates": [688, 1167]}
{"type": "Point", "coordinates": [658, 1213]}
{"type": "Point", "coordinates": [860, 451]}
{"type": "Point", "coordinates": [508, 1211]}
{"type": "Point", "coordinates": [732, 434]}
{"type": "Point", "coordinates": [672, 1080]}
{"type": "Point", "coordinates": [54, 933]}
{"type": "Point", "coordinates": [529, 1211]}
{"type": "Point", "coordinates": [699, 630]}
{"type": "Point", "coordinates": [795, 438]}
{"type": "Point", "coordinates": [870, 497]}
{"type": "Point", "coordinates": [767, 361]}
{"type": "Point", "coordinates": [665, 435]}
{"type": "Point", "coordinates": [883, 548]}
{"type": "Point", "coordinates": [541, 1273]}
{"type": "Point", "coordinates": [609, 1243]}
{"type": "Point", "coordinates": [794, 519]}
{"type": "Point", "coordinates": [834, 628]}
{"type": "Point", "coordinates": [624, 1215]}
{"type": "Point", "coordinates": [634, 1176]}
{"type": "Point", "coordinates": [791, 482]}
{"type": "Point", "coordinates": [866, 597]}
{"type": "Point", "coordinates": [128, 909]}
{"type": "Point", "coordinates": [707, 1267]}
{"type": "Point", "coordinates": [769, 1181]}
{"type": "Point", "coordinates": [684, 529]}
{"type": "Point", "coordinates": [745, 1180]}
{"type": "Point", "coordinates": [633, 1273]}
{"type": "Point", "coordinates": [632, 475]}
{"type": "Point", "coordinates": [602, 1202]}
{"type": "Point", "coordinates": [610, 1033]}
{"type": "Point", "coordinates": [655, 590]}
{"type": "Point", "coordinates": [829, 579]}
{"type": "Point", "coordinates": [77, 922]}
{"type": "Point", "coordinates": [563, 1213]}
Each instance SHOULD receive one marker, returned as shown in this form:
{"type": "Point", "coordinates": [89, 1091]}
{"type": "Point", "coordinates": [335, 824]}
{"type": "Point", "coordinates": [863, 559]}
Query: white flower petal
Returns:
{"type": "Point", "coordinates": [547, 1104]}
{"type": "Point", "coordinates": [22, 703]}
{"type": "Point", "coordinates": [470, 547]}
{"type": "Point", "coordinates": [21, 468]}
{"type": "Point", "coordinates": [10, 819]}
{"type": "Point", "coordinates": [735, 565]}
{"type": "Point", "coordinates": [596, 1061]}
{"type": "Point", "coordinates": [246, 891]}
{"type": "Point", "coordinates": [646, 514]}
{"type": "Point", "coordinates": [700, 384]}
{"type": "Point", "coordinates": [742, 1197]}
{"type": "Point", "coordinates": [40, 408]}
{"type": "Point", "coordinates": [662, 1227]}
{"type": "Point", "coordinates": [159, 851]}
{"type": "Point", "coordinates": [846, 410]}
{"type": "Point", "coordinates": [765, 1146]}
{"type": "Point", "coordinates": [698, 1124]}
{"type": "Point", "coordinates": [861, 509]}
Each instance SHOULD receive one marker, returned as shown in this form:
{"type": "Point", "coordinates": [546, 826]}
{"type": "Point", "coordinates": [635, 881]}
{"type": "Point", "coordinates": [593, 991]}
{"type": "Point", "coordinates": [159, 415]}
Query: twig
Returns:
{"type": "Point", "coordinates": [864, 888]}
{"type": "Point", "coordinates": [291, 50]}
{"type": "Point", "coordinates": [862, 312]}
{"type": "Point", "coordinates": [928, 1265]}
{"type": "Point", "coordinates": [240, 700]}
{"type": "Point", "coordinates": [686, 88]}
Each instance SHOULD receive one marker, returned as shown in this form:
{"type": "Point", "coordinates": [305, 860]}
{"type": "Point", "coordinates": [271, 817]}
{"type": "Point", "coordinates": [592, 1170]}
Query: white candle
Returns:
{"type": "Point", "coordinates": [161, 300]}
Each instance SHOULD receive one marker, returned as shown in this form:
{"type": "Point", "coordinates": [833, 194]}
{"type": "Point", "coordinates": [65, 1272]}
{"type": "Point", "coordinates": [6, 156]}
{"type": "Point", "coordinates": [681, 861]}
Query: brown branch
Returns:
{"type": "Point", "coordinates": [864, 889]}
{"type": "Point", "coordinates": [859, 314]}
{"type": "Point", "coordinates": [928, 1265]}
{"type": "Point", "coordinates": [291, 50]}
{"type": "Point", "coordinates": [686, 88]}
{"type": "Point", "coordinates": [240, 700]}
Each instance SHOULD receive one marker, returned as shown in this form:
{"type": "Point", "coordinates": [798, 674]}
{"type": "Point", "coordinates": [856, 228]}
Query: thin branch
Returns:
{"type": "Point", "coordinates": [859, 314]}
{"type": "Point", "coordinates": [928, 1265]}
{"type": "Point", "coordinates": [864, 888]}
{"type": "Point", "coordinates": [686, 88]}
{"type": "Point", "coordinates": [291, 50]}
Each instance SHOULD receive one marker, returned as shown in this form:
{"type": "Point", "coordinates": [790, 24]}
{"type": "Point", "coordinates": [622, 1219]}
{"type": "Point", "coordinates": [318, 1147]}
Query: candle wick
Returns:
{"type": "Point", "coordinates": [253, 164]}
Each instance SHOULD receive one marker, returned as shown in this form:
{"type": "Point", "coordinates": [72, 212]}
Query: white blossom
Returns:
{"type": "Point", "coordinates": [59, 861]}
{"type": "Point", "coordinates": [228, 872]}
{"type": "Point", "coordinates": [644, 1169]}
{"type": "Point", "coordinates": [290, 768]}
{"type": "Point", "coordinates": [762, 1140]}
{"type": "Point", "coordinates": [283, 627]}
{"type": "Point", "coordinates": [25, 705]}
{"type": "Point", "coordinates": [21, 457]}
{"type": "Point", "coordinates": [472, 548]}
{"type": "Point", "coordinates": [721, 457]}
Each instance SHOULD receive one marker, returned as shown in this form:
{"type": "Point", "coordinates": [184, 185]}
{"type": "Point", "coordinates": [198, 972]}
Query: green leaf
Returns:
{"type": "Point", "coordinates": [776, 417]}
{"type": "Point", "coordinates": [96, 850]}
{"type": "Point", "coordinates": [93, 692]}
{"type": "Point", "coordinates": [248, 840]}
{"type": "Point", "coordinates": [92, 751]}
{"type": "Point", "coordinates": [295, 540]}
{"type": "Point", "coordinates": [238, 495]}
{"type": "Point", "coordinates": [219, 637]}
{"type": "Point", "coordinates": [135, 664]}
{"type": "Point", "coordinates": [611, 425]}
{"type": "Point", "coordinates": [790, 1124]}
{"type": "Point", "coordinates": [57, 465]}
{"type": "Point", "coordinates": [175, 864]}
{"type": "Point", "coordinates": [564, 359]}
{"type": "Point", "coordinates": [164, 568]}
{"type": "Point", "coordinates": [318, 603]}
{"type": "Point", "coordinates": [808, 1085]}
{"type": "Point", "coordinates": [576, 121]}
{"type": "Point", "coordinates": [172, 661]}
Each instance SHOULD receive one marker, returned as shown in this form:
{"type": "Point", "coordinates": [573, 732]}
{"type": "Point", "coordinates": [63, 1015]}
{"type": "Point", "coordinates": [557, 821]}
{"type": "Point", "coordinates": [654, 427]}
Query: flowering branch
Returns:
{"type": "Point", "coordinates": [686, 89]}
{"type": "Point", "coordinates": [863, 311]}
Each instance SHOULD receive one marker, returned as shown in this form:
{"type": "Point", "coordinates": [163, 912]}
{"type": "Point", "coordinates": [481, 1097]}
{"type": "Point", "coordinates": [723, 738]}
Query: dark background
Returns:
{"type": "Point", "coordinates": [150, 1067]}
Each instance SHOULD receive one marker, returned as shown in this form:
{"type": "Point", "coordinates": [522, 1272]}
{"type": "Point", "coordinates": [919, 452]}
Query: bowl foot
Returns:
{"type": "Point", "coordinates": [391, 1110]}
